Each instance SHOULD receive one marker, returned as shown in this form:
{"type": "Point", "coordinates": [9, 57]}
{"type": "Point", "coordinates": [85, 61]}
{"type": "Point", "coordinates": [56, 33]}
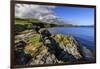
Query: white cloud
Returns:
{"type": "Point", "coordinates": [40, 12]}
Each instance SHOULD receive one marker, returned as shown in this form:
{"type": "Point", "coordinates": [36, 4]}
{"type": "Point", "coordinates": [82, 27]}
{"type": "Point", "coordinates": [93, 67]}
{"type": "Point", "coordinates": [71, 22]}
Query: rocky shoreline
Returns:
{"type": "Point", "coordinates": [42, 47]}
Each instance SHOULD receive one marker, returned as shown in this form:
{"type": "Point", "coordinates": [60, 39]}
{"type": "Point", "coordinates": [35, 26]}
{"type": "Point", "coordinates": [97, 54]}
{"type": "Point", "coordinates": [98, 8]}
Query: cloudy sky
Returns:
{"type": "Point", "coordinates": [74, 15]}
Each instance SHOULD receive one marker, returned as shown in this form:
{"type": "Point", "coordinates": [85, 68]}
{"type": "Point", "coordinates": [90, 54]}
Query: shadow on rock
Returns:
{"type": "Point", "coordinates": [20, 57]}
{"type": "Point", "coordinates": [55, 49]}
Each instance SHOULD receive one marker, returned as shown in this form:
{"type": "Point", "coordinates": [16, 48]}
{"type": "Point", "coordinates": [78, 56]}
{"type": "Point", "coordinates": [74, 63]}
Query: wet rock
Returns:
{"type": "Point", "coordinates": [88, 54]}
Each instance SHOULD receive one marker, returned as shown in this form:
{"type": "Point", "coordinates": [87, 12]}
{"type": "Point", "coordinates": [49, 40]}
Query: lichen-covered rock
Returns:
{"type": "Point", "coordinates": [43, 49]}
{"type": "Point", "coordinates": [68, 44]}
{"type": "Point", "coordinates": [42, 56]}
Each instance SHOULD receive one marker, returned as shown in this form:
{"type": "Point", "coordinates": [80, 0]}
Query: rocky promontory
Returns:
{"type": "Point", "coordinates": [33, 48]}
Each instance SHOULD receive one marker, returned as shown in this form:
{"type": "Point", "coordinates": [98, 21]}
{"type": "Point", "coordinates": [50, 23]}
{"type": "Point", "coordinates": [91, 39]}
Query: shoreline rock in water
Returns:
{"type": "Point", "coordinates": [69, 45]}
{"type": "Point", "coordinates": [54, 49]}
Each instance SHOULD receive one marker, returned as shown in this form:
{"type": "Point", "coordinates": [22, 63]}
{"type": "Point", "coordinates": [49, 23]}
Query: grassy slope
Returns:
{"type": "Point", "coordinates": [37, 22]}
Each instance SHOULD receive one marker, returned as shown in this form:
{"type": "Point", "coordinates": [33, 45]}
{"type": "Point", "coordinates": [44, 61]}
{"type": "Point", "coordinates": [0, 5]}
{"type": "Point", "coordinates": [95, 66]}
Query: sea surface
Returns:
{"type": "Point", "coordinates": [85, 35]}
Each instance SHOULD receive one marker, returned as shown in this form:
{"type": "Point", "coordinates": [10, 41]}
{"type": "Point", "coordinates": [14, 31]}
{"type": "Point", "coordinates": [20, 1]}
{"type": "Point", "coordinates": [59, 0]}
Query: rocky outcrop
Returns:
{"type": "Point", "coordinates": [25, 34]}
{"type": "Point", "coordinates": [69, 45]}
{"type": "Point", "coordinates": [51, 49]}
{"type": "Point", "coordinates": [40, 55]}
{"type": "Point", "coordinates": [44, 57]}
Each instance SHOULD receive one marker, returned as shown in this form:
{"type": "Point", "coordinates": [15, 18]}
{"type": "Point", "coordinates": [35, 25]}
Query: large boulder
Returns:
{"type": "Point", "coordinates": [69, 45]}
{"type": "Point", "coordinates": [44, 32]}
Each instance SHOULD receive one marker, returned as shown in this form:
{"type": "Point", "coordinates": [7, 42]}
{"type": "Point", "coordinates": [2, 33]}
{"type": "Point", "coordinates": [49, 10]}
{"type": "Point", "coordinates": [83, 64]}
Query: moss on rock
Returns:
{"type": "Point", "coordinates": [34, 39]}
{"type": "Point", "coordinates": [68, 44]}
